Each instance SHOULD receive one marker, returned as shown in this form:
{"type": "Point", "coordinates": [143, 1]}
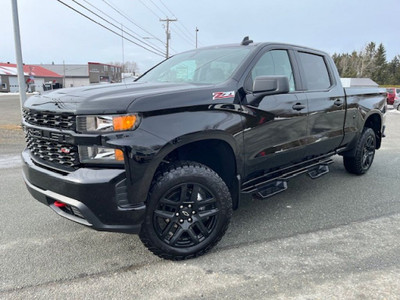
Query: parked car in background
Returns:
{"type": "Point", "coordinates": [396, 103]}
{"type": "Point", "coordinates": [392, 93]}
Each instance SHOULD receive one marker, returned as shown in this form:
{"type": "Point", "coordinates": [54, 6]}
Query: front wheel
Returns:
{"type": "Point", "coordinates": [364, 154]}
{"type": "Point", "coordinates": [188, 211]}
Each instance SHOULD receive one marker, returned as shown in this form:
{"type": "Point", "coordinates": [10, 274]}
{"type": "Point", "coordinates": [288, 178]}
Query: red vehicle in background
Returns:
{"type": "Point", "coordinates": [392, 93]}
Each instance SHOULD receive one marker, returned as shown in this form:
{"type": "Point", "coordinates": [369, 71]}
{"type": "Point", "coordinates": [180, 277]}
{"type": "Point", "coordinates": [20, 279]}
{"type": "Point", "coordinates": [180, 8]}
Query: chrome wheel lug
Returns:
{"type": "Point", "coordinates": [190, 205]}
{"type": "Point", "coordinates": [181, 206]}
{"type": "Point", "coordinates": [167, 220]}
{"type": "Point", "coordinates": [177, 214]}
{"type": "Point", "coordinates": [190, 220]}
{"type": "Point", "coordinates": [193, 212]}
{"type": "Point", "coordinates": [181, 221]}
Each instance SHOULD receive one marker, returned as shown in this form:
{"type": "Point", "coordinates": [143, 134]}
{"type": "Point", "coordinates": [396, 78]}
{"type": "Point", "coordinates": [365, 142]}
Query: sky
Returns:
{"type": "Point", "coordinates": [52, 32]}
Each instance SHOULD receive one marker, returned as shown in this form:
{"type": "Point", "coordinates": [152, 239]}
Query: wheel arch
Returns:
{"type": "Point", "coordinates": [374, 121]}
{"type": "Point", "coordinates": [216, 150]}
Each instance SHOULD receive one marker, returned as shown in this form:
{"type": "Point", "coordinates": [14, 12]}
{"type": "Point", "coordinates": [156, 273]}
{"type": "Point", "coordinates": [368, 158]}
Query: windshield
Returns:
{"type": "Point", "coordinates": [206, 66]}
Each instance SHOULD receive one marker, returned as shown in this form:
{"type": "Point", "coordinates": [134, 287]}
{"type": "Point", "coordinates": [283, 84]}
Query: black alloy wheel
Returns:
{"type": "Point", "coordinates": [368, 152]}
{"type": "Point", "coordinates": [364, 153]}
{"type": "Point", "coordinates": [188, 211]}
{"type": "Point", "coordinates": [186, 215]}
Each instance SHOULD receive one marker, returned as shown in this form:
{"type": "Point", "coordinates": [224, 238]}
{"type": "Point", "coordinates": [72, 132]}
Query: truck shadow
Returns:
{"type": "Point", "coordinates": [333, 200]}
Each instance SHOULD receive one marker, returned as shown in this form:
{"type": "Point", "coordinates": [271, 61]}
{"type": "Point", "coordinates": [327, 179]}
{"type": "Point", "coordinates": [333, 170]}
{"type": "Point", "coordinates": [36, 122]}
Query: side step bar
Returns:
{"type": "Point", "coordinates": [271, 189]}
{"type": "Point", "coordinates": [318, 171]}
{"type": "Point", "coordinates": [273, 186]}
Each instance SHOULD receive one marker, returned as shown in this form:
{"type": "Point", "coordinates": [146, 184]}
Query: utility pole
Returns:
{"type": "Point", "coordinates": [167, 33]}
{"type": "Point", "coordinates": [197, 30]}
{"type": "Point", "coordinates": [64, 74]}
{"type": "Point", "coordinates": [18, 53]}
{"type": "Point", "coordinates": [123, 54]}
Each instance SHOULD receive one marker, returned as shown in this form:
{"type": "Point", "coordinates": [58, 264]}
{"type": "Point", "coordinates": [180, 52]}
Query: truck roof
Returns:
{"type": "Point", "coordinates": [260, 45]}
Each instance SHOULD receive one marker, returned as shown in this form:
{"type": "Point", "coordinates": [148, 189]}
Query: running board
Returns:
{"type": "Point", "coordinates": [273, 186]}
{"type": "Point", "coordinates": [318, 171]}
{"type": "Point", "coordinates": [271, 189]}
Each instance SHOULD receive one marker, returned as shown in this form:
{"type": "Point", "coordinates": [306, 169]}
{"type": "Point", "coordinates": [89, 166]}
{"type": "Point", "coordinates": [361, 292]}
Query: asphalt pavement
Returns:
{"type": "Point", "coordinates": [336, 237]}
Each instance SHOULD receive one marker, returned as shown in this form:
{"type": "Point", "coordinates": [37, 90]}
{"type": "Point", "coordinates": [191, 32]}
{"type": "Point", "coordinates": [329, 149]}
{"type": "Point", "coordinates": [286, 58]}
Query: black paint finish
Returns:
{"type": "Point", "coordinates": [262, 132]}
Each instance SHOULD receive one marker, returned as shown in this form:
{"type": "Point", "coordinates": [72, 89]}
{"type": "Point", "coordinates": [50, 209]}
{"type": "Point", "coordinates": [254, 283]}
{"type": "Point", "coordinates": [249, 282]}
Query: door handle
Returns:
{"type": "Point", "coordinates": [338, 102]}
{"type": "Point", "coordinates": [298, 106]}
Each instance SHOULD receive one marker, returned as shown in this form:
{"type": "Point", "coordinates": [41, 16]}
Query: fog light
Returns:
{"type": "Point", "coordinates": [100, 155]}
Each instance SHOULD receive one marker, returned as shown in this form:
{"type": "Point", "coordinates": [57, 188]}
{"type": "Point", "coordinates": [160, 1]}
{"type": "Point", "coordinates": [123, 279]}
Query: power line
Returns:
{"type": "Point", "coordinates": [125, 25]}
{"type": "Point", "coordinates": [154, 48]}
{"type": "Point", "coordinates": [168, 9]}
{"type": "Point", "coordinates": [188, 32]}
{"type": "Point", "coordinates": [183, 35]}
{"type": "Point", "coordinates": [155, 14]}
{"type": "Point", "coordinates": [152, 11]}
{"type": "Point", "coordinates": [105, 27]}
{"type": "Point", "coordinates": [130, 20]}
{"type": "Point", "coordinates": [158, 7]}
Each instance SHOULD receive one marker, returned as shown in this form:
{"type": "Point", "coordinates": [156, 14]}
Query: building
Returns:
{"type": "Point", "coordinates": [48, 76]}
{"type": "Point", "coordinates": [73, 74]}
{"type": "Point", "coordinates": [100, 73]}
{"type": "Point", "coordinates": [36, 78]}
{"type": "Point", "coordinates": [84, 74]}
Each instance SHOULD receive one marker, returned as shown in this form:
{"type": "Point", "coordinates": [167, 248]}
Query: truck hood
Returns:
{"type": "Point", "coordinates": [121, 98]}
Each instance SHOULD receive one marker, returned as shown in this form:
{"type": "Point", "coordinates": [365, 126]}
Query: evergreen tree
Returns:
{"type": "Point", "coordinates": [379, 73]}
{"type": "Point", "coordinates": [393, 71]}
{"type": "Point", "coordinates": [366, 64]}
{"type": "Point", "coordinates": [369, 62]}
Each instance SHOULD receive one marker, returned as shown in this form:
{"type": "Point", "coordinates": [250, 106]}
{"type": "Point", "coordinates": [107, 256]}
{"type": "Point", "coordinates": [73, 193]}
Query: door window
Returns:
{"type": "Point", "coordinates": [275, 62]}
{"type": "Point", "coordinates": [315, 71]}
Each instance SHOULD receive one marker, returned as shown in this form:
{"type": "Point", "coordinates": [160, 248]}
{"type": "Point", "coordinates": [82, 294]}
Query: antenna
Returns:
{"type": "Point", "coordinates": [246, 41]}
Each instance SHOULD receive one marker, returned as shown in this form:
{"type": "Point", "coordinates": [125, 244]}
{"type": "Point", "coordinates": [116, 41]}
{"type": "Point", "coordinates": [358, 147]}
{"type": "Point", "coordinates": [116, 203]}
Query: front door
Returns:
{"type": "Point", "coordinates": [276, 125]}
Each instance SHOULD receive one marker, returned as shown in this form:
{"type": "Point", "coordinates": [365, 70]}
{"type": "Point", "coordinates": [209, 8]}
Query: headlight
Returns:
{"type": "Point", "coordinates": [102, 155]}
{"type": "Point", "coordinates": [96, 124]}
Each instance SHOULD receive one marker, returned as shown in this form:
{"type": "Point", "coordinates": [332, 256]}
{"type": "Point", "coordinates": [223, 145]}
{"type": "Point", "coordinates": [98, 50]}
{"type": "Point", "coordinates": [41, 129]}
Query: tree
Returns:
{"type": "Point", "coordinates": [127, 67]}
{"type": "Point", "coordinates": [393, 71]}
{"type": "Point", "coordinates": [346, 64]}
{"type": "Point", "coordinates": [369, 62]}
{"type": "Point", "coordinates": [379, 73]}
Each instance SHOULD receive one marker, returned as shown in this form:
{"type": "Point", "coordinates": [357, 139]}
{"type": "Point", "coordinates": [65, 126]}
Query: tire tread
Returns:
{"type": "Point", "coordinates": [176, 170]}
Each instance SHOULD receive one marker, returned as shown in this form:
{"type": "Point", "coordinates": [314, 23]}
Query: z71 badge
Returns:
{"type": "Point", "coordinates": [223, 95]}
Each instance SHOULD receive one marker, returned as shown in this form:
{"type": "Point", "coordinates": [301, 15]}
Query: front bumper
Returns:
{"type": "Point", "coordinates": [92, 197]}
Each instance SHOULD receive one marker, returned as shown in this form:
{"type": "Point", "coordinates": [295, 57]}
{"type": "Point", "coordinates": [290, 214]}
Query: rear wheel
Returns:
{"type": "Point", "coordinates": [188, 211]}
{"type": "Point", "coordinates": [364, 154]}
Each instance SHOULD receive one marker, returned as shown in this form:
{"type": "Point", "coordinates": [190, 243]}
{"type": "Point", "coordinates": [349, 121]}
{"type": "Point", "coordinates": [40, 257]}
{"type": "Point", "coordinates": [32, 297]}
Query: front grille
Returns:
{"type": "Point", "coordinates": [51, 120]}
{"type": "Point", "coordinates": [53, 152]}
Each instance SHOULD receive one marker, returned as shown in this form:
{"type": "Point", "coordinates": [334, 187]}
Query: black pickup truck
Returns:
{"type": "Point", "coordinates": [170, 155]}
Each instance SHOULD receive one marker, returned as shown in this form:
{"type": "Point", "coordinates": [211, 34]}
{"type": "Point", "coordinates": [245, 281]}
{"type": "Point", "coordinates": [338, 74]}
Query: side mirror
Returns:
{"type": "Point", "coordinates": [270, 85]}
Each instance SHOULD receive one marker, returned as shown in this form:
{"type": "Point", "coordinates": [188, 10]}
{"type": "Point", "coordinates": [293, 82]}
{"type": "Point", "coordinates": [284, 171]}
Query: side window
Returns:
{"type": "Point", "coordinates": [315, 71]}
{"type": "Point", "coordinates": [275, 62]}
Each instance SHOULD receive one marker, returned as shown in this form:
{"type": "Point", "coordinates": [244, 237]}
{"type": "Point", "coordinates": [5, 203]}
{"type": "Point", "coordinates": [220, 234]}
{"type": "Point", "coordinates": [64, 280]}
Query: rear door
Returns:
{"type": "Point", "coordinates": [326, 103]}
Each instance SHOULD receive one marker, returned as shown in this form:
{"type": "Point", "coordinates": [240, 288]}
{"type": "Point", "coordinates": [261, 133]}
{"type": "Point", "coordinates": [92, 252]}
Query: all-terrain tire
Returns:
{"type": "Point", "coordinates": [189, 208]}
{"type": "Point", "coordinates": [364, 153]}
